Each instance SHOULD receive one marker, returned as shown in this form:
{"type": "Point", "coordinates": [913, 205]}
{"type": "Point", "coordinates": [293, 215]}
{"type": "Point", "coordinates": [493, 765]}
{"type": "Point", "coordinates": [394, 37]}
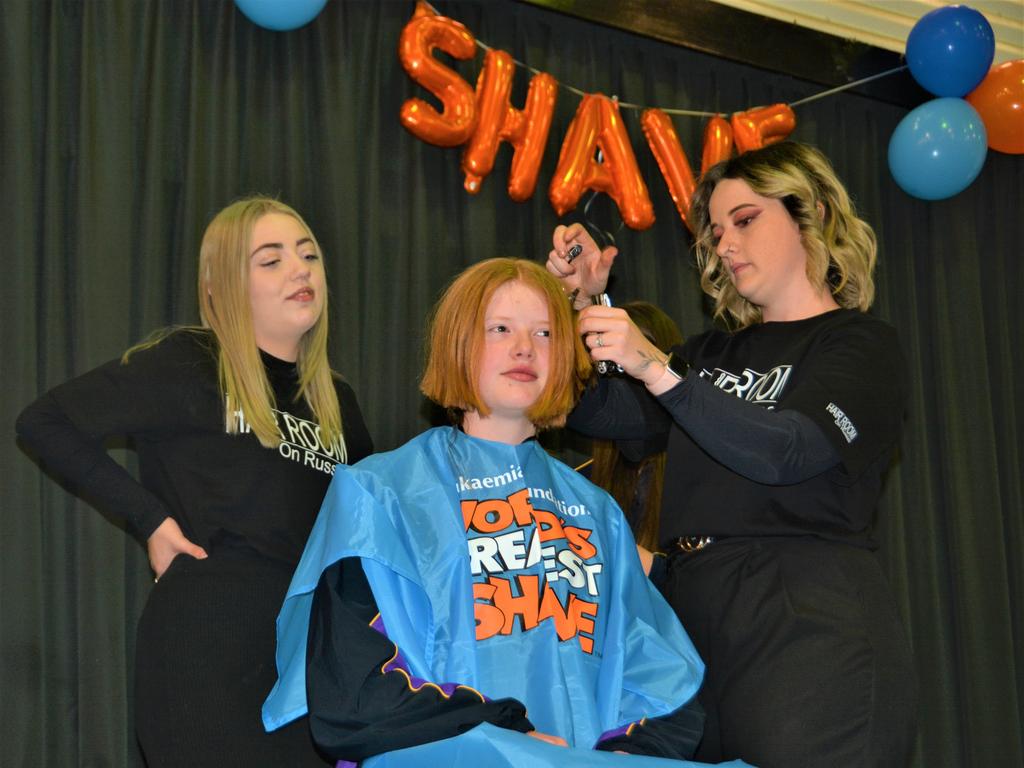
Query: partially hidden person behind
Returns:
{"type": "Point", "coordinates": [238, 424]}
{"type": "Point", "coordinates": [633, 471]}
{"type": "Point", "coordinates": [779, 434]}
{"type": "Point", "coordinates": [467, 596]}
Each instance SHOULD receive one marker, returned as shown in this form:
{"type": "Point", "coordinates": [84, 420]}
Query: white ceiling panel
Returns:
{"type": "Point", "coordinates": [886, 23]}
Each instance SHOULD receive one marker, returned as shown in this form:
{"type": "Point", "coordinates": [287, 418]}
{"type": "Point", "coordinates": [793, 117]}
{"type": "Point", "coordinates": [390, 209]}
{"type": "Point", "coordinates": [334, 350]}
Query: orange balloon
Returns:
{"type": "Point", "coordinates": [762, 126]}
{"type": "Point", "coordinates": [425, 32]}
{"type": "Point", "coordinates": [717, 142]}
{"type": "Point", "coordinates": [675, 168]}
{"type": "Point", "coordinates": [526, 130]}
{"type": "Point", "coordinates": [1000, 102]}
{"type": "Point", "coordinates": [598, 126]}
{"type": "Point", "coordinates": [493, 88]}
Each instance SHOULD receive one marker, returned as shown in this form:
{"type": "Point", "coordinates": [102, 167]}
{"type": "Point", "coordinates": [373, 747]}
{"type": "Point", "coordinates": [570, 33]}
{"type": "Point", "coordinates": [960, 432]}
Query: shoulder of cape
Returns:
{"type": "Point", "coordinates": [392, 468]}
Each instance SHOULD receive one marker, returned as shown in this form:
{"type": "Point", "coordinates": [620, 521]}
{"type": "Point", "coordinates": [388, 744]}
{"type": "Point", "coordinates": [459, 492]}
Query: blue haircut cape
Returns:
{"type": "Point", "coordinates": [451, 531]}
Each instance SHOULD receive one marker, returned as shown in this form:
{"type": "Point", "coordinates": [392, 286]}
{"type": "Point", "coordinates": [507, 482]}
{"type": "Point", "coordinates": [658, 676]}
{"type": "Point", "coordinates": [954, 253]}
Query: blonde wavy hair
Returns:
{"type": "Point", "coordinates": [841, 247]}
{"type": "Point", "coordinates": [225, 309]}
{"type": "Point", "coordinates": [456, 338]}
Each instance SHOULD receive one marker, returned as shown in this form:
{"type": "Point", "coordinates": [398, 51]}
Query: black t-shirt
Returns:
{"type": "Point", "coordinates": [224, 490]}
{"type": "Point", "coordinates": [843, 370]}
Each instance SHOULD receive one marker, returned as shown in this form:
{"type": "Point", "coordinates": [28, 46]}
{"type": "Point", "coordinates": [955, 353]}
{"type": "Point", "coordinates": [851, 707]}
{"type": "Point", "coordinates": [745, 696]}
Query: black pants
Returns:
{"type": "Point", "coordinates": [205, 663]}
{"type": "Point", "coordinates": [807, 662]}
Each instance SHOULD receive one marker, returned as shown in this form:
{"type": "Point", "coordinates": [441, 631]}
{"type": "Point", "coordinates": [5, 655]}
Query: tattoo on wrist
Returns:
{"type": "Point", "coordinates": [647, 360]}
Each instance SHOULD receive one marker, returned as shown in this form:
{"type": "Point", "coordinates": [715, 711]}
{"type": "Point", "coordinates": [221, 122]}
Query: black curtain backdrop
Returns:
{"type": "Point", "coordinates": [126, 124]}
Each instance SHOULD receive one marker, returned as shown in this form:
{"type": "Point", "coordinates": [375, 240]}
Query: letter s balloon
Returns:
{"type": "Point", "coordinates": [425, 32]}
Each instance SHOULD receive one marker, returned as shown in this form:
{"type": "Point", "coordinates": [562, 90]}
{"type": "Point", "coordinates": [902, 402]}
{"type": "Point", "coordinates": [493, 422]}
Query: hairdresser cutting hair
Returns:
{"type": "Point", "coordinates": [780, 432]}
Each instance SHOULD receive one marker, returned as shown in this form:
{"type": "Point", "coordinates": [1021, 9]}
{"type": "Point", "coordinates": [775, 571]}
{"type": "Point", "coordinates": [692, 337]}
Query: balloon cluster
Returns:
{"type": "Point", "coordinates": [939, 148]}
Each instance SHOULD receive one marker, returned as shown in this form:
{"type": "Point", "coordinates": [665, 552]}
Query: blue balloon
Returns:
{"type": "Point", "coordinates": [950, 50]}
{"type": "Point", "coordinates": [938, 149]}
{"type": "Point", "coordinates": [281, 15]}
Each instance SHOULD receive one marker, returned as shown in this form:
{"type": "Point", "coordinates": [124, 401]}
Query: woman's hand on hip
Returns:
{"type": "Point", "coordinates": [166, 543]}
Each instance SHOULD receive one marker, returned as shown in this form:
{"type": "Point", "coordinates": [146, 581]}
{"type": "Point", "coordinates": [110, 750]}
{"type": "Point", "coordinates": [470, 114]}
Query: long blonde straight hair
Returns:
{"type": "Point", "coordinates": [225, 308]}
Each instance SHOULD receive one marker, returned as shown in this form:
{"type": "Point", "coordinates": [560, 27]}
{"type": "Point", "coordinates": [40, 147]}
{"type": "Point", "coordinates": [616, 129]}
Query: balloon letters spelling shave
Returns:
{"type": "Point", "coordinates": [596, 152]}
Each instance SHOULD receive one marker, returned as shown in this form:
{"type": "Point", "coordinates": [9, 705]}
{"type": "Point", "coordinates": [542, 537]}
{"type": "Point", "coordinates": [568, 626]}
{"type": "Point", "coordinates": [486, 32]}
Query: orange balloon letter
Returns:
{"type": "Point", "coordinates": [762, 126]}
{"type": "Point", "coordinates": [675, 168]}
{"type": "Point", "coordinates": [425, 32]}
{"type": "Point", "coordinates": [526, 130]}
{"type": "Point", "coordinates": [717, 142]}
{"type": "Point", "coordinates": [598, 126]}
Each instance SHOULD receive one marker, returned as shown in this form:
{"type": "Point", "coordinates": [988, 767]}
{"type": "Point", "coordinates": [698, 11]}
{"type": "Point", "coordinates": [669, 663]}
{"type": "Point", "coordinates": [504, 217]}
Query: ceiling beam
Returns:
{"type": "Point", "coordinates": [758, 41]}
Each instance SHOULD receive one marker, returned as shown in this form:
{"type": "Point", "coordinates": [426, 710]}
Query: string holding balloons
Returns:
{"type": "Point", "coordinates": [940, 147]}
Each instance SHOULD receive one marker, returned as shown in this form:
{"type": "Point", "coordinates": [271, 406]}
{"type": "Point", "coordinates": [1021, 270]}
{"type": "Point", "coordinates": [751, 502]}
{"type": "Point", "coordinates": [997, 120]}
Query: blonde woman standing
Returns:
{"type": "Point", "coordinates": [238, 424]}
{"type": "Point", "coordinates": [779, 433]}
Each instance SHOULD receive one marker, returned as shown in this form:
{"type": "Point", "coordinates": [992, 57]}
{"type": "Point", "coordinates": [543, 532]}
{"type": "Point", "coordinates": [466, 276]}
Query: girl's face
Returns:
{"type": "Point", "coordinates": [760, 247]}
{"type": "Point", "coordinates": [513, 368]}
{"type": "Point", "coordinates": [286, 284]}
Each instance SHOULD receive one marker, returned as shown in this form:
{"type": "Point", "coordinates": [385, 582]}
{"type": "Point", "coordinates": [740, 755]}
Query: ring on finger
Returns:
{"type": "Point", "coordinates": [600, 341]}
